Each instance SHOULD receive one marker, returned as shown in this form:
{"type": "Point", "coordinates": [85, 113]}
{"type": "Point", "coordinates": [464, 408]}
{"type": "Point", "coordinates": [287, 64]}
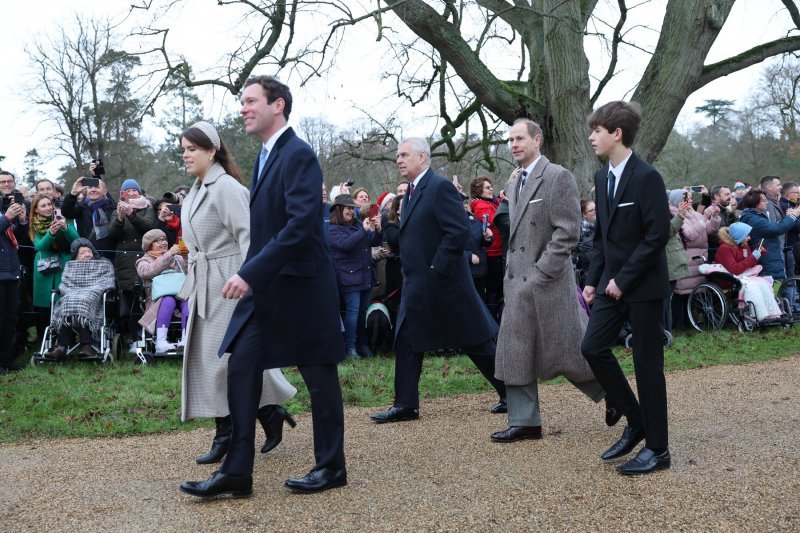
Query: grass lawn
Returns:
{"type": "Point", "coordinates": [91, 400]}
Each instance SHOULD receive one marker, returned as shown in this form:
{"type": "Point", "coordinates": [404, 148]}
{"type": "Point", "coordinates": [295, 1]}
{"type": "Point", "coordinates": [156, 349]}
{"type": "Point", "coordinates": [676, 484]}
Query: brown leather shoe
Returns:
{"type": "Point", "coordinates": [86, 351]}
{"type": "Point", "coordinates": [515, 433]}
{"type": "Point", "coordinates": [59, 352]}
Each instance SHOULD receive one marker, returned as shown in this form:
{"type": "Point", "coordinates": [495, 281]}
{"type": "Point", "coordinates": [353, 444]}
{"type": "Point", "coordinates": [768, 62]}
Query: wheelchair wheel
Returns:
{"type": "Point", "coordinates": [707, 307]}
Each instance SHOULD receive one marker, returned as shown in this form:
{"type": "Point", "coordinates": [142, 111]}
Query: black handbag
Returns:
{"type": "Point", "coordinates": [48, 265]}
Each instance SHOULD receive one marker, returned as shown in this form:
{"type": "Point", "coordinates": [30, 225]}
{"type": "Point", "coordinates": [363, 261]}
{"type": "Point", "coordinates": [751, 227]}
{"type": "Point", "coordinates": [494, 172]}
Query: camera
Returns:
{"type": "Point", "coordinates": [100, 169]}
{"type": "Point", "coordinates": [18, 198]}
{"type": "Point", "coordinates": [349, 182]}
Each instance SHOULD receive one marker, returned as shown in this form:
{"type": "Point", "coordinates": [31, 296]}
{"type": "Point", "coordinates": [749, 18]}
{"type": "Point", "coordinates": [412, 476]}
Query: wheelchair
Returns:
{"type": "Point", "coordinates": [717, 300]}
{"type": "Point", "coordinates": [145, 344]}
{"type": "Point", "coordinates": [106, 350]}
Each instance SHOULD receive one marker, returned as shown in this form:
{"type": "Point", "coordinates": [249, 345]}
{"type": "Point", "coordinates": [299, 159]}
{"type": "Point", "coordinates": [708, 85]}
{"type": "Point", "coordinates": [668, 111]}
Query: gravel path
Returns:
{"type": "Point", "coordinates": [735, 442]}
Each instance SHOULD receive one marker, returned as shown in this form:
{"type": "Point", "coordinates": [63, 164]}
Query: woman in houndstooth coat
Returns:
{"type": "Point", "coordinates": [215, 219]}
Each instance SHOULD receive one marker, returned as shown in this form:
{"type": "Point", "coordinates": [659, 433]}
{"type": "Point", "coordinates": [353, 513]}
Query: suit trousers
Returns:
{"type": "Point", "coordinates": [245, 377]}
{"type": "Point", "coordinates": [408, 368]}
{"type": "Point", "coordinates": [523, 401]}
{"type": "Point", "coordinates": [647, 327]}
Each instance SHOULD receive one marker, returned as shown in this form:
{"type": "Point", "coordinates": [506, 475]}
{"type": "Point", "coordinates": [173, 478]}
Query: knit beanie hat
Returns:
{"type": "Point", "coordinates": [130, 183]}
{"type": "Point", "coordinates": [676, 197]}
{"type": "Point", "coordinates": [739, 185]}
{"type": "Point", "coordinates": [149, 238]}
{"type": "Point", "coordinates": [738, 231]}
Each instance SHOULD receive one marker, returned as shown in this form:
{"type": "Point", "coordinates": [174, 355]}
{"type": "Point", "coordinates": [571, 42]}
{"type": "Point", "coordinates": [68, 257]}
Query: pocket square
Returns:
{"type": "Point", "coordinates": [626, 204]}
{"type": "Point", "coordinates": [537, 200]}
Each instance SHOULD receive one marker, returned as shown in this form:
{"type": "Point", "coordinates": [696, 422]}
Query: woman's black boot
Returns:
{"type": "Point", "coordinates": [220, 444]}
{"type": "Point", "coordinates": [272, 418]}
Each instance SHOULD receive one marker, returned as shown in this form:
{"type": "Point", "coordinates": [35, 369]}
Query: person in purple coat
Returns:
{"type": "Point", "coordinates": [350, 243]}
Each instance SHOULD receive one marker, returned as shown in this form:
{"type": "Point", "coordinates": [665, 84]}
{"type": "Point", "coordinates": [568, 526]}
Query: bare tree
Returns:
{"type": "Point", "coordinates": [452, 47]}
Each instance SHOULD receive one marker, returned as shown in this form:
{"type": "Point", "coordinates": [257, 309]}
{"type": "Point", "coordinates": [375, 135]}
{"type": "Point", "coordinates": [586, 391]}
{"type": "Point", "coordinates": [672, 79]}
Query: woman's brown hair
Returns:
{"type": "Point", "coordinates": [222, 156]}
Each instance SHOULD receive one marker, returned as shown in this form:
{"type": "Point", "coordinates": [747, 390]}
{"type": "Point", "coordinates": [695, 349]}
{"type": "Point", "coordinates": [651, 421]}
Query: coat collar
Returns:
{"type": "Point", "coordinates": [409, 205]}
{"type": "Point", "coordinates": [256, 182]}
{"type": "Point", "coordinates": [517, 206]}
{"type": "Point", "coordinates": [213, 174]}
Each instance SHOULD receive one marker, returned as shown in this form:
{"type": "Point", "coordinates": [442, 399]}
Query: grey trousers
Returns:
{"type": "Point", "coordinates": [523, 401]}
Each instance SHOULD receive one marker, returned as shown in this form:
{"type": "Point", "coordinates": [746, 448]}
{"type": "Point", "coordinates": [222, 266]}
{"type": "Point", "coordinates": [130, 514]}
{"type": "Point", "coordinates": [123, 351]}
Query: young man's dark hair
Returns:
{"type": "Point", "coordinates": [626, 116]}
{"type": "Point", "coordinates": [768, 179]}
{"type": "Point", "coordinates": [752, 198]}
{"type": "Point", "coordinates": [273, 89]}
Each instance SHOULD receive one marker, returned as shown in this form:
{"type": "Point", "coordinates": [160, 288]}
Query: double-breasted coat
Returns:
{"type": "Point", "coordinates": [440, 304]}
{"type": "Point", "coordinates": [543, 323]}
{"type": "Point", "coordinates": [216, 231]}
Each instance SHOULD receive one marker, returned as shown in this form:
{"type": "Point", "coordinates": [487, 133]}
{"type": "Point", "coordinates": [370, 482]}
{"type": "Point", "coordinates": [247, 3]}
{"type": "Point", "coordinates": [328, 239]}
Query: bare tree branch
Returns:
{"type": "Point", "coordinates": [746, 59]}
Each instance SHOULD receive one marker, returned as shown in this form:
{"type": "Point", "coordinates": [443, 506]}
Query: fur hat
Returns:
{"type": "Point", "coordinates": [739, 231]}
{"type": "Point", "coordinates": [150, 237]}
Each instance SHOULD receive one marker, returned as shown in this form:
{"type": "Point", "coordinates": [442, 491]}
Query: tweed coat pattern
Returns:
{"type": "Point", "coordinates": [216, 231]}
{"type": "Point", "coordinates": [543, 324]}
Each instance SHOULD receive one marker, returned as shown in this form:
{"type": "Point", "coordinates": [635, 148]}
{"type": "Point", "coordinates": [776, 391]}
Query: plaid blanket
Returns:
{"type": "Point", "coordinates": [81, 302]}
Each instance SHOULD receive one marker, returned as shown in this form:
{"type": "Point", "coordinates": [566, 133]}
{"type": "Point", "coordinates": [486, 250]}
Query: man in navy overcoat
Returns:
{"type": "Point", "coordinates": [288, 312]}
{"type": "Point", "coordinates": [440, 307]}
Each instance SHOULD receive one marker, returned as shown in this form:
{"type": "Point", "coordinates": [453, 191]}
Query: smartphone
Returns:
{"type": "Point", "coordinates": [485, 223]}
{"type": "Point", "coordinates": [91, 182]}
{"type": "Point", "coordinates": [697, 188]}
{"type": "Point", "coordinates": [685, 196]}
{"type": "Point", "coordinates": [374, 210]}
{"type": "Point", "coordinates": [100, 169]}
{"type": "Point", "coordinates": [175, 208]}
{"type": "Point", "coordinates": [58, 213]}
{"type": "Point", "coordinates": [19, 198]}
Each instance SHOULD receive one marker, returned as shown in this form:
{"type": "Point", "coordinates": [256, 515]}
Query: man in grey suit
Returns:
{"type": "Point", "coordinates": [543, 322]}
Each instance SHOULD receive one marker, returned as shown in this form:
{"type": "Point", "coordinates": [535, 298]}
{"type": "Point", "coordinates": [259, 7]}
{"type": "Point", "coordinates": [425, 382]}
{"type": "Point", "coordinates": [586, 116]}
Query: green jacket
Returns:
{"type": "Point", "coordinates": [46, 246]}
{"type": "Point", "coordinates": [677, 263]}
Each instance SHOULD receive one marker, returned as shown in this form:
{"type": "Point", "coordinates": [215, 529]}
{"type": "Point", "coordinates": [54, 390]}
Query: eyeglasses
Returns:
{"type": "Point", "coordinates": [6, 182]}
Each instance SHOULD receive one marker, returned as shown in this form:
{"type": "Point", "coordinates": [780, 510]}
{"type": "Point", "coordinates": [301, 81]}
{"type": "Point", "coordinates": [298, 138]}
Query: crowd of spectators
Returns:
{"type": "Point", "coordinates": [142, 236]}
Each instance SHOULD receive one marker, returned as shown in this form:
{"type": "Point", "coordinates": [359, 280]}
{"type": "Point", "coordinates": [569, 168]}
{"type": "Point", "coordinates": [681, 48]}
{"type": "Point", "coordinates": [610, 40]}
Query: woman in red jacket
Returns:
{"type": "Point", "coordinates": [734, 251]}
{"type": "Point", "coordinates": [484, 205]}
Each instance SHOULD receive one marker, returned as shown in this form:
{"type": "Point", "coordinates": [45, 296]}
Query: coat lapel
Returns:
{"type": "Point", "coordinates": [412, 203]}
{"type": "Point", "coordinates": [271, 158]}
{"type": "Point", "coordinates": [527, 194]}
{"type": "Point", "coordinates": [214, 172]}
{"type": "Point", "coordinates": [623, 183]}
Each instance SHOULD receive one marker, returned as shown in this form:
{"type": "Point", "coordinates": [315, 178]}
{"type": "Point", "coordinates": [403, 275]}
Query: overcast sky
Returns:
{"type": "Point", "coordinates": [354, 80]}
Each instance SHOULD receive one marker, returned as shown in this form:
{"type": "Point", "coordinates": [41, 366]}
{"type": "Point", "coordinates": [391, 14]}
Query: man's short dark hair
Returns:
{"type": "Point", "coordinates": [787, 186]}
{"type": "Point", "coordinates": [7, 173]}
{"type": "Point", "coordinates": [36, 185]}
{"type": "Point", "coordinates": [626, 116]}
{"type": "Point", "coordinates": [768, 179]}
{"type": "Point", "coordinates": [273, 89]}
{"type": "Point", "coordinates": [752, 198]}
{"type": "Point", "coordinates": [716, 189]}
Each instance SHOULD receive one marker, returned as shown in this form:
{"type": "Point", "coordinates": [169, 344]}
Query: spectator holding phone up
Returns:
{"type": "Point", "coordinates": [52, 238]}
{"type": "Point", "coordinates": [93, 212]}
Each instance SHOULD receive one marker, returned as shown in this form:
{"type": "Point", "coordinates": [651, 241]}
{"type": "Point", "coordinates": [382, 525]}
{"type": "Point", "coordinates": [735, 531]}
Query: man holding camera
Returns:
{"type": "Point", "coordinates": [13, 218]}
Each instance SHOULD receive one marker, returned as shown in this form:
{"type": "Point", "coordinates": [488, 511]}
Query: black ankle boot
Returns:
{"type": "Point", "coordinates": [220, 444]}
{"type": "Point", "coordinates": [272, 418]}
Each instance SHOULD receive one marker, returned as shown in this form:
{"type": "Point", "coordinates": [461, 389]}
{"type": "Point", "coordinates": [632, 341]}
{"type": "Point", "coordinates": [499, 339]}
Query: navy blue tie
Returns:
{"type": "Point", "coordinates": [612, 180]}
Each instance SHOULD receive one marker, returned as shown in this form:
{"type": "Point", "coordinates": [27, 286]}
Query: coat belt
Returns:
{"type": "Point", "coordinates": [198, 269]}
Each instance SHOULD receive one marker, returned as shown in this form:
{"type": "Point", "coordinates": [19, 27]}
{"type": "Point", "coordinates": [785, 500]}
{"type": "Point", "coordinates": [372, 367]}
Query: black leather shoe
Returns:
{"type": "Point", "coordinates": [646, 461]}
{"type": "Point", "coordinates": [219, 484]}
{"type": "Point", "coordinates": [272, 418]}
{"type": "Point", "coordinates": [364, 351]}
{"type": "Point", "coordinates": [626, 443]}
{"type": "Point", "coordinates": [318, 480]}
{"type": "Point", "coordinates": [395, 414]}
{"type": "Point", "coordinates": [500, 407]}
{"type": "Point", "coordinates": [220, 444]}
{"type": "Point", "coordinates": [515, 433]}
{"type": "Point", "coordinates": [613, 414]}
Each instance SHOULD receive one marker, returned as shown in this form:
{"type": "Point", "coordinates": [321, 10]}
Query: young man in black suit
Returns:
{"type": "Point", "coordinates": [628, 280]}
